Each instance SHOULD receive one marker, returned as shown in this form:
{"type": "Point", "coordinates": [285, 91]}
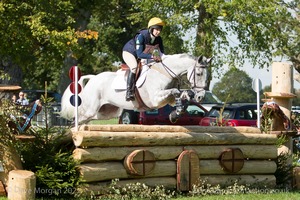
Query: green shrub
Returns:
{"type": "Point", "coordinates": [48, 155]}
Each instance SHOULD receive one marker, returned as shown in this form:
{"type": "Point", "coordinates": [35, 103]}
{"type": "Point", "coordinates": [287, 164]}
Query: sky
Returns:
{"type": "Point", "coordinates": [265, 76]}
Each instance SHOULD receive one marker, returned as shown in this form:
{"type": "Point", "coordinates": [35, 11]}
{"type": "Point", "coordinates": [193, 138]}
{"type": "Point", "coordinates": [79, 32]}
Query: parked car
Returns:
{"type": "Point", "coordinates": [238, 114]}
{"type": "Point", "coordinates": [296, 109]}
{"type": "Point", "coordinates": [194, 113]}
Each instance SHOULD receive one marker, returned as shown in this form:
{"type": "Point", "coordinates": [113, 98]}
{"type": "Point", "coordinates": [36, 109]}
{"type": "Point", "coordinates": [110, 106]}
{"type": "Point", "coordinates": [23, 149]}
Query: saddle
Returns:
{"type": "Point", "coordinates": [125, 67]}
{"type": "Point", "coordinates": [137, 95]}
{"type": "Point", "coordinates": [119, 83]}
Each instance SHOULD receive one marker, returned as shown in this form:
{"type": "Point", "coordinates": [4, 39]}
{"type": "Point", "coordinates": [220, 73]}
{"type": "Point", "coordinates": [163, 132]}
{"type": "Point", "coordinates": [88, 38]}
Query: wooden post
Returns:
{"type": "Point", "coordinates": [296, 178]}
{"type": "Point", "coordinates": [2, 189]}
{"type": "Point", "coordinates": [21, 185]}
{"type": "Point", "coordinates": [282, 83]}
{"type": "Point", "coordinates": [282, 86]}
{"type": "Point", "coordinates": [9, 160]}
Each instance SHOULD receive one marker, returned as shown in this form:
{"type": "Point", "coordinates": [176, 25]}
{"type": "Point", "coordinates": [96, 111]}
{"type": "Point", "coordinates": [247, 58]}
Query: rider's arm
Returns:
{"type": "Point", "coordinates": [140, 47]}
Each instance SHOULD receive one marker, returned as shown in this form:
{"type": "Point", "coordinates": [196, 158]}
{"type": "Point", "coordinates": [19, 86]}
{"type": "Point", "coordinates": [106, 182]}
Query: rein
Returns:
{"type": "Point", "coordinates": [173, 75]}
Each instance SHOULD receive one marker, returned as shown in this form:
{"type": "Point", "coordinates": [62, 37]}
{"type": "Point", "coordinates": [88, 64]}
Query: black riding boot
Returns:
{"type": "Point", "coordinates": [130, 87]}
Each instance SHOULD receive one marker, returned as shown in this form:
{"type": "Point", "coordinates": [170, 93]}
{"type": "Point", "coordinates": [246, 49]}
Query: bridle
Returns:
{"type": "Point", "coordinates": [173, 75]}
{"type": "Point", "coordinates": [193, 74]}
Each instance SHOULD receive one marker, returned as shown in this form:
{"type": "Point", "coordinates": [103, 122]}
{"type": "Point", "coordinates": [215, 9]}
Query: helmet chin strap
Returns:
{"type": "Point", "coordinates": [152, 36]}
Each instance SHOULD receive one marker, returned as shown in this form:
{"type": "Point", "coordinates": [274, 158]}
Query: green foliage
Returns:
{"type": "Point", "coordinates": [7, 139]}
{"type": "Point", "coordinates": [266, 121]}
{"type": "Point", "coordinates": [35, 37]}
{"type": "Point", "coordinates": [205, 189]}
{"type": "Point", "coordinates": [296, 158]}
{"type": "Point", "coordinates": [40, 36]}
{"type": "Point", "coordinates": [221, 121]}
{"type": "Point", "coordinates": [283, 172]}
{"type": "Point", "coordinates": [236, 83]}
{"type": "Point", "coordinates": [201, 191]}
{"type": "Point", "coordinates": [51, 160]}
{"type": "Point", "coordinates": [136, 191]}
{"type": "Point", "coordinates": [49, 155]}
{"type": "Point", "coordinates": [57, 174]}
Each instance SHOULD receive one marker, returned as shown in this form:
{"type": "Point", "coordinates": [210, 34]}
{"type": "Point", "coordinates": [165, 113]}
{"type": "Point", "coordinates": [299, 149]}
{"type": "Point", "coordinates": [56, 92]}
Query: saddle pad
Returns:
{"type": "Point", "coordinates": [119, 82]}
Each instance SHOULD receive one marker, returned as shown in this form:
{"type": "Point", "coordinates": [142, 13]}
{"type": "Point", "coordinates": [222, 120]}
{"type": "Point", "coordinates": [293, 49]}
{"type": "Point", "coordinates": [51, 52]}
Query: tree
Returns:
{"type": "Point", "coordinates": [39, 36]}
{"type": "Point", "coordinates": [235, 86]}
{"type": "Point", "coordinates": [43, 39]}
{"type": "Point", "coordinates": [237, 30]}
{"type": "Point", "coordinates": [35, 37]}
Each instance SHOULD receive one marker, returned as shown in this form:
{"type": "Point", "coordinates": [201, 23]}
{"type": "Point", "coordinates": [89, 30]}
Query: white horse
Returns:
{"type": "Point", "coordinates": [101, 100]}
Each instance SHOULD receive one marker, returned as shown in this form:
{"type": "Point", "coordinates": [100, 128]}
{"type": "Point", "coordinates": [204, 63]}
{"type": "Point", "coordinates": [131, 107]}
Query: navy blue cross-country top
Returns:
{"type": "Point", "coordinates": [142, 38]}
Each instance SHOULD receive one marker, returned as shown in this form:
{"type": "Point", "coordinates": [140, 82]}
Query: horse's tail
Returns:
{"type": "Point", "coordinates": [67, 109]}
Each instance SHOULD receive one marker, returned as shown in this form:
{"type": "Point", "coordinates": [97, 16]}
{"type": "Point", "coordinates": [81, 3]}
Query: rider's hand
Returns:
{"type": "Point", "coordinates": [157, 58]}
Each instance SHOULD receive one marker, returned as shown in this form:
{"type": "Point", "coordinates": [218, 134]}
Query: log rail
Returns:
{"type": "Point", "coordinates": [102, 149]}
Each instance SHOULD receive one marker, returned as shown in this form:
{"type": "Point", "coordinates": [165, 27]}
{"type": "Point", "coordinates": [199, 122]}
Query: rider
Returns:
{"type": "Point", "coordinates": [142, 47]}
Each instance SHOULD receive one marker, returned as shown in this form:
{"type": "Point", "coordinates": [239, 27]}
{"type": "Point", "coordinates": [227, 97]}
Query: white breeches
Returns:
{"type": "Point", "coordinates": [130, 60]}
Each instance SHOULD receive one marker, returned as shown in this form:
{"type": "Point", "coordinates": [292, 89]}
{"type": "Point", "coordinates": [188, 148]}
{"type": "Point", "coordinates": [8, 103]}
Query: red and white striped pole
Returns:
{"type": "Point", "coordinates": [75, 88]}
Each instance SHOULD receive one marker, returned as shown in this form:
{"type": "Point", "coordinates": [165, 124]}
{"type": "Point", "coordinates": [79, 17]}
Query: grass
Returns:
{"type": "Point", "coordinates": [109, 121]}
{"type": "Point", "coordinates": [279, 196]}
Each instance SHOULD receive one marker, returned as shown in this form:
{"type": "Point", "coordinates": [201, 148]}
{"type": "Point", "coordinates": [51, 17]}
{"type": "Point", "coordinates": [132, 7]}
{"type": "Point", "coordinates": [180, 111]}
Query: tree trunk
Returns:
{"type": "Point", "coordinates": [70, 60]}
{"type": "Point", "coordinates": [12, 70]}
{"type": "Point", "coordinates": [203, 45]}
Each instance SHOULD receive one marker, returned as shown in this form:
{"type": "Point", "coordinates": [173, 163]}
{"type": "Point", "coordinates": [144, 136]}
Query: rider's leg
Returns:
{"type": "Point", "coordinates": [130, 86]}
{"type": "Point", "coordinates": [131, 61]}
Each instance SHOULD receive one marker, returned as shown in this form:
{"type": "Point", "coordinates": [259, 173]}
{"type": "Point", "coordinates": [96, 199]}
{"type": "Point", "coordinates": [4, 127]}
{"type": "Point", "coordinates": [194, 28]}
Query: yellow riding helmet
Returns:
{"type": "Point", "coordinates": [155, 21]}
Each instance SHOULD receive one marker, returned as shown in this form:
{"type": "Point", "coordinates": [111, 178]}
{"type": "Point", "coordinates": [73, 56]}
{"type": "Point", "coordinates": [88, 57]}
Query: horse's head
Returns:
{"type": "Point", "coordinates": [198, 77]}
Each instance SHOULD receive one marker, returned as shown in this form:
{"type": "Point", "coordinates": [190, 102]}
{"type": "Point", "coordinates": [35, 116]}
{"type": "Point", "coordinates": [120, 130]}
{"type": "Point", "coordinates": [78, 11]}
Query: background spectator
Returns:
{"type": "Point", "coordinates": [22, 100]}
{"type": "Point", "coordinates": [14, 98]}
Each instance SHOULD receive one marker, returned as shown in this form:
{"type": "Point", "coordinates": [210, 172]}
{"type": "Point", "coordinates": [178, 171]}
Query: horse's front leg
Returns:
{"type": "Point", "coordinates": [162, 96]}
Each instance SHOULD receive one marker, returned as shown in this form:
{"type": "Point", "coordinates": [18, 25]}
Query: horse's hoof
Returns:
{"type": "Point", "coordinates": [173, 117]}
{"type": "Point", "coordinates": [175, 92]}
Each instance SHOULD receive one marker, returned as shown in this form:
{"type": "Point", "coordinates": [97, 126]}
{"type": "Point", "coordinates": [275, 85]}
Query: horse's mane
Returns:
{"type": "Point", "coordinates": [173, 58]}
{"type": "Point", "coordinates": [181, 55]}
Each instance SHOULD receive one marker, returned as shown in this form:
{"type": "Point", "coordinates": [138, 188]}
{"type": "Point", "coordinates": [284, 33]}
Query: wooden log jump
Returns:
{"type": "Point", "coordinates": [223, 155]}
{"type": "Point", "coordinates": [97, 154]}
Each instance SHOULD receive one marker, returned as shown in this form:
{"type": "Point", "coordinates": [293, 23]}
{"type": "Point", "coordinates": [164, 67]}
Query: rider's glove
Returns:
{"type": "Point", "coordinates": [157, 58]}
